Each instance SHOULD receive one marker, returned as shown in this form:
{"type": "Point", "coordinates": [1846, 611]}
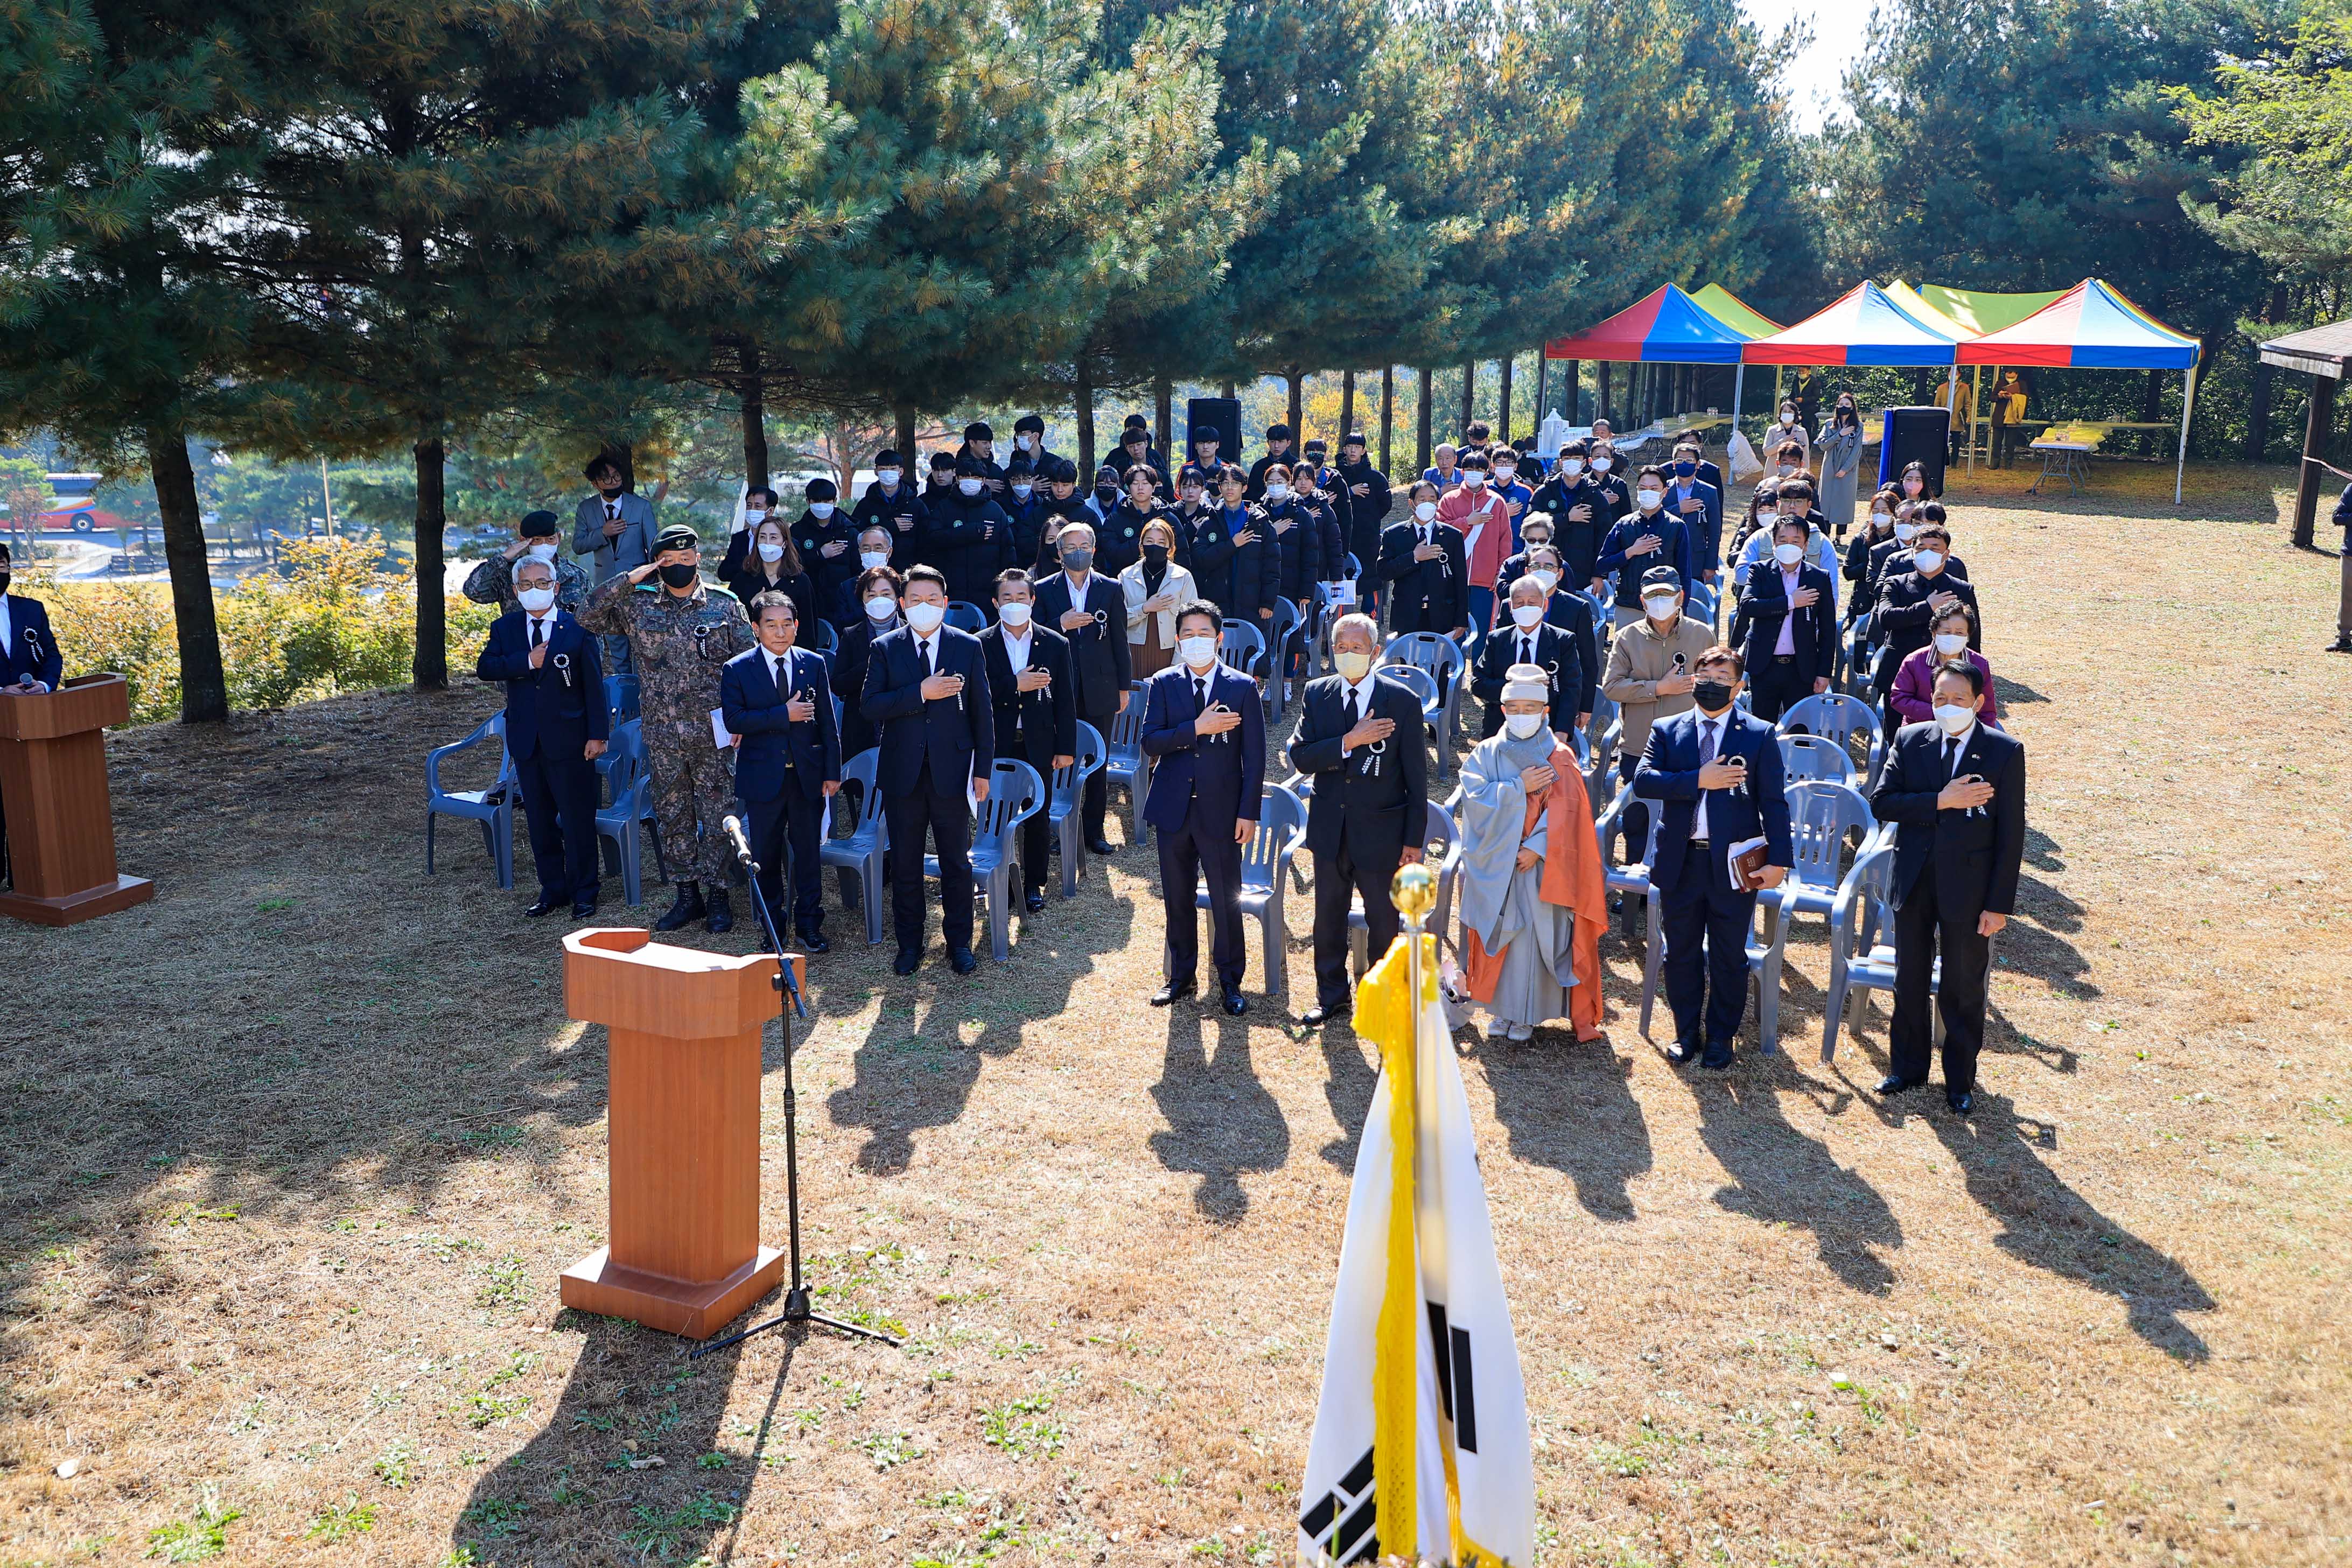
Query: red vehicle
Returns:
{"type": "Point", "coordinates": [79, 515]}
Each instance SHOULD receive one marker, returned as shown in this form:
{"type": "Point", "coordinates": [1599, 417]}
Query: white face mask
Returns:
{"type": "Point", "coordinates": [1882, 518]}
{"type": "Point", "coordinates": [535, 600]}
{"type": "Point", "coordinates": [1198, 653]}
{"type": "Point", "coordinates": [1660, 606]}
{"type": "Point", "coordinates": [881, 606]}
{"type": "Point", "coordinates": [1929, 561]}
{"type": "Point", "coordinates": [869, 559]}
{"type": "Point", "coordinates": [1026, 443]}
{"type": "Point", "coordinates": [1953, 718]}
{"type": "Point", "coordinates": [1787, 468]}
{"type": "Point", "coordinates": [1949, 643]}
{"type": "Point", "coordinates": [1547, 578]}
{"type": "Point", "coordinates": [1529, 617]}
{"type": "Point", "coordinates": [1425, 509]}
{"type": "Point", "coordinates": [1352, 666]}
{"type": "Point", "coordinates": [1523, 726]}
{"type": "Point", "coordinates": [1474, 479]}
{"type": "Point", "coordinates": [1904, 530]}
{"type": "Point", "coordinates": [926, 617]}
{"type": "Point", "coordinates": [1015, 614]}
{"type": "Point", "coordinates": [972, 487]}
{"type": "Point", "coordinates": [754, 516]}
{"type": "Point", "coordinates": [1571, 467]}
{"type": "Point", "coordinates": [1504, 473]}
{"type": "Point", "coordinates": [821, 510]}
{"type": "Point", "coordinates": [890, 478]}
{"type": "Point", "coordinates": [1278, 491]}
{"type": "Point", "coordinates": [1649, 500]}
{"type": "Point", "coordinates": [1787, 554]}
{"type": "Point", "coordinates": [1023, 492]}
{"type": "Point", "coordinates": [1602, 464]}
{"type": "Point", "coordinates": [770, 551]}
{"type": "Point", "coordinates": [542, 552]}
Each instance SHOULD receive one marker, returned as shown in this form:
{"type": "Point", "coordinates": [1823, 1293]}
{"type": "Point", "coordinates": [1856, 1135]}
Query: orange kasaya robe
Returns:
{"type": "Point", "coordinates": [1573, 880]}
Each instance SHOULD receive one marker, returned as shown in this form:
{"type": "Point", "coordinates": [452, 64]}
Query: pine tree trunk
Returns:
{"type": "Point", "coordinates": [1346, 402]}
{"type": "Point", "coordinates": [1083, 398]}
{"type": "Point", "coordinates": [1228, 393]}
{"type": "Point", "coordinates": [1388, 411]}
{"type": "Point", "coordinates": [2258, 417]}
{"type": "Point", "coordinates": [2151, 401]}
{"type": "Point", "coordinates": [204, 684]}
{"type": "Point", "coordinates": [1293, 411]}
{"type": "Point", "coordinates": [1163, 414]}
{"type": "Point", "coordinates": [1421, 460]}
{"type": "Point", "coordinates": [1543, 377]}
{"type": "Point", "coordinates": [1503, 396]}
{"type": "Point", "coordinates": [430, 669]}
{"type": "Point", "coordinates": [755, 421]}
{"type": "Point", "coordinates": [904, 416]}
{"type": "Point", "coordinates": [1570, 373]}
{"type": "Point", "coordinates": [1600, 395]}
{"type": "Point", "coordinates": [1469, 394]}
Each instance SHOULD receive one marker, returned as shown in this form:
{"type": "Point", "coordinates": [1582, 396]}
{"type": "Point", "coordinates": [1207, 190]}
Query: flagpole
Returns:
{"type": "Point", "coordinates": [1414, 890]}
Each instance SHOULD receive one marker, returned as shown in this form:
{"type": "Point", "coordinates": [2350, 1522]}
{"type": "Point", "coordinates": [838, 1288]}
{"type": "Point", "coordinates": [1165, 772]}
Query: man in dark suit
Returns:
{"type": "Point", "coordinates": [1037, 709]}
{"type": "Point", "coordinates": [556, 728]}
{"type": "Point", "coordinates": [1718, 772]}
{"type": "Point", "coordinates": [778, 702]}
{"type": "Point", "coordinates": [1698, 503]}
{"type": "Point", "coordinates": [1422, 562]}
{"type": "Point", "coordinates": [1785, 627]}
{"type": "Point", "coordinates": [1090, 611]}
{"type": "Point", "coordinates": [29, 660]}
{"type": "Point", "coordinates": [1955, 791]}
{"type": "Point", "coordinates": [1909, 602]}
{"type": "Point", "coordinates": [1526, 637]}
{"type": "Point", "coordinates": [1204, 729]}
{"type": "Point", "coordinates": [926, 688]}
{"type": "Point", "coordinates": [1359, 738]}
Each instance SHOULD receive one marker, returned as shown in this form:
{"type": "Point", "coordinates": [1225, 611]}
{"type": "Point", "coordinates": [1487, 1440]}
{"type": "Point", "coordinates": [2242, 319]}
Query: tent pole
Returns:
{"type": "Point", "coordinates": [1952, 394]}
{"type": "Point", "coordinates": [1739, 376]}
{"type": "Point", "coordinates": [2187, 399]}
{"type": "Point", "coordinates": [1975, 401]}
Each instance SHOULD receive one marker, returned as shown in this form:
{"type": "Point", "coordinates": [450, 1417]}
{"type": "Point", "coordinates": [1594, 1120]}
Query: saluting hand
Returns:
{"type": "Point", "coordinates": [1537, 779]}
{"type": "Point", "coordinates": [1072, 620]}
{"type": "Point", "coordinates": [1724, 772]}
{"type": "Point", "coordinates": [1964, 794]}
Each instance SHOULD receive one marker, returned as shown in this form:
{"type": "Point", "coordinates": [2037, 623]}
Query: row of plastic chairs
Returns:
{"type": "Point", "coordinates": [628, 785]}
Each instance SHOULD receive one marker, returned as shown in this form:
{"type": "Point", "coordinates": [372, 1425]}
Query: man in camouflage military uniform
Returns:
{"type": "Point", "coordinates": [681, 631]}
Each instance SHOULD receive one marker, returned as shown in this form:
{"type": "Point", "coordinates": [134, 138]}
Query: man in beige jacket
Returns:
{"type": "Point", "coordinates": [1649, 677]}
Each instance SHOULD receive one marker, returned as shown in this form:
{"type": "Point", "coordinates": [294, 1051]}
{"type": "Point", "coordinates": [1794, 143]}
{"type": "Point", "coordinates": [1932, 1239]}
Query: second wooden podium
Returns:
{"type": "Point", "coordinates": [684, 1111]}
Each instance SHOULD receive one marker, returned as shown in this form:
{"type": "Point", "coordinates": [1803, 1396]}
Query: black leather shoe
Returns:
{"type": "Point", "coordinates": [1718, 1058]}
{"type": "Point", "coordinates": [1174, 991]}
{"type": "Point", "coordinates": [548, 904]}
{"type": "Point", "coordinates": [813, 941]}
{"type": "Point", "coordinates": [1962, 1102]}
{"type": "Point", "coordinates": [1034, 903]}
{"type": "Point", "coordinates": [1682, 1056]}
{"type": "Point", "coordinates": [2343, 643]}
{"type": "Point", "coordinates": [1896, 1083]}
{"type": "Point", "coordinates": [687, 910]}
{"type": "Point", "coordinates": [722, 913]}
{"type": "Point", "coordinates": [1101, 847]}
{"type": "Point", "coordinates": [1324, 1013]}
{"type": "Point", "coordinates": [961, 961]}
{"type": "Point", "coordinates": [908, 962]}
{"type": "Point", "coordinates": [584, 905]}
{"type": "Point", "coordinates": [1236, 1003]}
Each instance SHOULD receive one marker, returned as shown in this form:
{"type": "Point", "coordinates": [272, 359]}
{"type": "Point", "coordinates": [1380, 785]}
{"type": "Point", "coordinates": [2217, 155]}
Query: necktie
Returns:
{"type": "Point", "coordinates": [930, 657]}
{"type": "Point", "coordinates": [1527, 648]}
{"type": "Point", "coordinates": [1201, 694]}
{"type": "Point", "coordinates": [538, 631]}
{"type": "Point", "coordinates": [776, 672]}
{"type": "Point", "coordinates": [1706, 743]}
{"type": "Point", "coordinates": [612, 511]}
{"type": "Point", "coordinates": [1951, 758]}
{"type": "Point", "coordinates": [1355, 712]}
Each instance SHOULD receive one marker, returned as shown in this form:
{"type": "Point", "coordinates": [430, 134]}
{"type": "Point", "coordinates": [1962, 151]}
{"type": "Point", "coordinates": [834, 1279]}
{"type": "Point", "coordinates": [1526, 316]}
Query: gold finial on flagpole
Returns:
{"type": "Point", "coordinates": [1414, 893]}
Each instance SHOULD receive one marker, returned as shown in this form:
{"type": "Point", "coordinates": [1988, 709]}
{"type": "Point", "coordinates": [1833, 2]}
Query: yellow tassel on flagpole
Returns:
{"type": "Point", "coordinates": [1385, 1015]}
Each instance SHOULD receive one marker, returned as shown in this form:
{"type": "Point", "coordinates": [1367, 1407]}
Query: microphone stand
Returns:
{"type": "Point", "coordinates": [796, 1293]}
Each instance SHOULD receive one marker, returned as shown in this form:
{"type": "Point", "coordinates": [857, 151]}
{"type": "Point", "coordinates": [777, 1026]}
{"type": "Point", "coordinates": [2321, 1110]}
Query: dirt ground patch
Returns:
{"type": "Point", "coordinates": [289, 1159]}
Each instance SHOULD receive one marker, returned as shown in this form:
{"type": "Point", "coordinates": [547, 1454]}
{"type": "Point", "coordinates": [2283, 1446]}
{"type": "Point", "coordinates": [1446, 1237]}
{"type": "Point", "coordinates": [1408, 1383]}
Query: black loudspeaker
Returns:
{"type": "Point", "coordinates": [1920, 436]}
{"type": "Point", "coordinates": [1226, 415]}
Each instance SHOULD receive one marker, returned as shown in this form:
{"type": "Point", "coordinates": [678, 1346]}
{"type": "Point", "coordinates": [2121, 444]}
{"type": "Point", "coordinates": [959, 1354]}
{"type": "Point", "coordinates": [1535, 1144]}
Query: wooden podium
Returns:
{"type": "Point", "coordinates": [52, 788]}
{"type": "Point", "coordinates": [683, 1110]}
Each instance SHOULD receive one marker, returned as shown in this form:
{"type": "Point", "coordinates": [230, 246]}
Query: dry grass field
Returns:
{"type": "Point", "coordinates": [290, 1158]}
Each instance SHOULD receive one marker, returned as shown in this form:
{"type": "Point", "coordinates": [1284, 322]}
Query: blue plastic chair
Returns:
{"type": "Point", "coordinates": [1423, 686]}
{"type": "Point", "coordinates": [1265, 867]}
{"type": "Point", "coordinates": [967, 616]}
{"type": "Point", "coordinates": [620, 698]}
{"type": "Point", "coordinates": [493, 807]}
{"type": "Point", "coordinates": [1441, 659]}
{"type": "Point", "coordinates": [859, 855]}
{"type": "Point", "coordinates": [825, 640]}
{"type": "Point", "coordinates": [1632, 878]}
{"type": "Point", "coordinates": [1289, 645]}
{"type": "Point", "coordinates": [1823, 815]}
{"type": "Point", "coordinates": [1242, 646]}
{"type": "Point", "coordinates": [1015, 795]}
{"type": "Point", "coordinates": [1125, 765]}
{"type": "Point", "coordinates": [623, 821]}
{"type": "Point", "coordinates": [1839, 718]}
{"type": "Point", "coordinates": [1441, 849]}
{"type": "Point", "coordinates": [1816, 757]}
{"type": "Point", "coordinates": [1062, 810]}
{"type": "Point", "coordinates": [1700, 602]}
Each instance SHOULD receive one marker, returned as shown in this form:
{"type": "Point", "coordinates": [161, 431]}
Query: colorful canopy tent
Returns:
{"type": "Point", "coordinates": [1861, 326]}
{"type": "Point", "coordinates": [1980, 310]}
{"type": "Point", "coordinates": [1734, 312]}
{"type": "Point", "coordinates": [2093, 327]}
{"type": "Point", "coordinates": [1918, 306]}
{"type": "Point", "coordinates": [1665, 326]}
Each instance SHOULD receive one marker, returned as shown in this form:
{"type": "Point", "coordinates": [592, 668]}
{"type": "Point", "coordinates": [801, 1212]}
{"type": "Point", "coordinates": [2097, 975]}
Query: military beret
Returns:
{"type": "Point", "coordinates": [538, 524]}
{"type": "Point", "coordinates": [675, 536]}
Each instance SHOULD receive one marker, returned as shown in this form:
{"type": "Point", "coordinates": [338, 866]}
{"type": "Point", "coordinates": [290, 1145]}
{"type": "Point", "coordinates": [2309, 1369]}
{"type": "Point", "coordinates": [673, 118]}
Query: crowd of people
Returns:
{"type": "Point", "coordinates": [1595, 600]}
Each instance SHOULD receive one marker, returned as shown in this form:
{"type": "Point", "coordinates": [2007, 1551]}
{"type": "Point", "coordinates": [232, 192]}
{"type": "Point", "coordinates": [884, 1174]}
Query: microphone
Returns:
{"type": "Point", "coordinates": [734, 828]}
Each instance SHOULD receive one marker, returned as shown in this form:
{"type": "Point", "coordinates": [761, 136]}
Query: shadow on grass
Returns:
{"type": "Point", "coordinates": [1781, 1177]}
{"type": "Point", "coordinates": [1222, 1121]}
{"type": "Point", "coordinates": [2052, 1228]}
{"type": "Point", "coordinates": [1351, 1071]}
{"type": "Point", "coordinates": [1571, 1107]}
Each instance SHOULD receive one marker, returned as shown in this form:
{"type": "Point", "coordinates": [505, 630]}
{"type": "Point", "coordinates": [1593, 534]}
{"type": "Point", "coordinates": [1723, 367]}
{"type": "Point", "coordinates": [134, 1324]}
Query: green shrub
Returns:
{"type": "Point", "coordinates": [329, 621]}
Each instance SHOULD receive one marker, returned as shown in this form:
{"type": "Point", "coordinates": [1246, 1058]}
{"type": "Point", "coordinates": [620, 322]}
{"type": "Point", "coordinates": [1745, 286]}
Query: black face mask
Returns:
{"type": "Point", "coordinates": [1107, 494]}
{"type": "Point", "coordinates": [1155, 556]}
{"type": "Point", "coordinates": [1712, 696]}
{"type": "Point", "coordinates": [4, 581]}
{"type": "Point", "coordinates": [678, 577]}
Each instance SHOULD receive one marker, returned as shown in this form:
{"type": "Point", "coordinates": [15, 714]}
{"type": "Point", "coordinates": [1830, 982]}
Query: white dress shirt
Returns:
{"type": "Point", "coordinates": [1362, 691]}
